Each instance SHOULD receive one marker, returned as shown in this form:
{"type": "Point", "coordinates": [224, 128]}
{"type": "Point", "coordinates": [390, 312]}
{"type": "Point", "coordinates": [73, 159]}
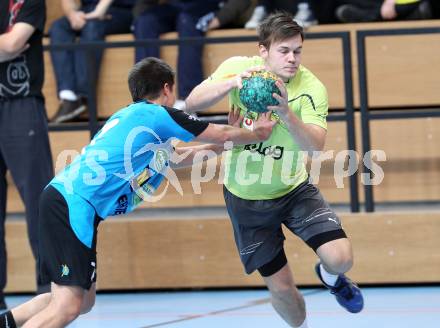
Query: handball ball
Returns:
{"type": "Point", "coordinates": [257, 90]}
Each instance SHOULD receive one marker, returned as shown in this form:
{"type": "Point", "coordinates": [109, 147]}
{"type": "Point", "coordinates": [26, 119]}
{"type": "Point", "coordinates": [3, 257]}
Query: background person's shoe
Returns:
{"type": "Point", "coordinates": [304, 16]}
{"type": "Point", "coordinates": [256, 18]}
{"type": "Point", "coordinates": [423, 11]}
{"type": "Point", "coordinates": [347, 293]}
{"type": "Point", "coordinates": [353, 14]}
{"type": "Point", "coordinates": [68, 111]}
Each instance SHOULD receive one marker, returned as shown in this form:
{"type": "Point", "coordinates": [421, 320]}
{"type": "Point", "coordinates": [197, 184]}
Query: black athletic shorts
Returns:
{"type": "Point", "coordinates": [63, 258]}
{"type": "Point", "coordinates": [257, 223]}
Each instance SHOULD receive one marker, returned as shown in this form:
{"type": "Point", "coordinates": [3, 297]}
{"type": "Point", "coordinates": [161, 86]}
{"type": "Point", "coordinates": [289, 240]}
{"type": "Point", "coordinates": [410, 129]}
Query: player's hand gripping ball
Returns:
{"type": "Point", "coordinates": [257, 90]}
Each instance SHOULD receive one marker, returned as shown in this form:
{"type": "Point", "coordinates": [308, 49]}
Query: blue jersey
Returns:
{"type": "Point", "coordinates": [128, 158]}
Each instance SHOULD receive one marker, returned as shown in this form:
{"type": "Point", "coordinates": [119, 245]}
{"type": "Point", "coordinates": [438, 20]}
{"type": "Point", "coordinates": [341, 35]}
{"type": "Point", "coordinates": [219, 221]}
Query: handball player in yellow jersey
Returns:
{"type": "Point", "coordinates": [266, 184]}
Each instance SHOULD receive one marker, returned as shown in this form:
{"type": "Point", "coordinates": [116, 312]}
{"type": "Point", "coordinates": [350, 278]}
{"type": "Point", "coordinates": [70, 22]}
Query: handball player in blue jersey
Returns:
{"type": "Point", "coordinates": [124, 164]}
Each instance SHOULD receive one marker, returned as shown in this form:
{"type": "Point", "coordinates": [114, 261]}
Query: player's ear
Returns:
{"type": "Point", "coordinates": [264, 52]}
{"type": "Point", "coordinates": [167, 89]}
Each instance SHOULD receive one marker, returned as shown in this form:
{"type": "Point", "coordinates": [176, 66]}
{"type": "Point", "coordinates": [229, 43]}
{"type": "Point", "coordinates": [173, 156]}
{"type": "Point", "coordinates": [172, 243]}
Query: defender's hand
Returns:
{"type": "Point", "coordinates": [263, 126]}
{"type": "Point", "coordinates": [234, 117]}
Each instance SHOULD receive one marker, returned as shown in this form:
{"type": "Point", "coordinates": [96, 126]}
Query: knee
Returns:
{"type": "Point", "coordinates": [87, 305]}
{"type": "Point", "coordinates": [59, 29]}
{"type": "Point", "coordinates": [94, 30]}
{"type": "Point", "coordinates": [69, 311]}
{"type": "Point", "coordinates": [340, 262]}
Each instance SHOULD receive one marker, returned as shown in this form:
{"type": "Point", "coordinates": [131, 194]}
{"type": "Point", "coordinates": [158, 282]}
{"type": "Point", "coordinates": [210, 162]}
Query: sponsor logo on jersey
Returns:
{"type": "Point", "coordinates": [274, 151]}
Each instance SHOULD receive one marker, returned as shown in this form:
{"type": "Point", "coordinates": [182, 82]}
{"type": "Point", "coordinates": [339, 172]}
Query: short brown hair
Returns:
{"type": "Point", "coordinates": [147, 78]}
{"type": "Point", "coordinates": [278, 26]}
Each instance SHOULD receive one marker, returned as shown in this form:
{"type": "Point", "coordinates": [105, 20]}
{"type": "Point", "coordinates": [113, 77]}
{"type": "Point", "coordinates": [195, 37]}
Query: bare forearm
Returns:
{"type": "Point", "coordinates": [69, 6]}
{"type": "Point", "coordinates": [187, 156]}
{"type": "Point", "coordinates": [14, 42]}
{"type": "Point", "coordinates": [241, 136]}
{"type": "Point", "coordinates": [4, 55]}
{"type": "Point", "coordinates": [207, 94]}
{"type": "Point", "coordinates": [309, 138]}
{"type": "Point", "coordinates": [4, 44]}
{"type": "Point", "coordinates": [103, 5]}
{"type": "Point", "coordinates": [11, 42]}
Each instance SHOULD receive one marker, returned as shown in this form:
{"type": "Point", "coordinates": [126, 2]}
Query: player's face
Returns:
{"type": "Point", "coordinates": [283, 57]}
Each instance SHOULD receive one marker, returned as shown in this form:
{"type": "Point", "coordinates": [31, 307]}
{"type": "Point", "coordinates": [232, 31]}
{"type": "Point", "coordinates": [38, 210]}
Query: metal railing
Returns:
{"type": "Point", "coordinates": [366, 114]}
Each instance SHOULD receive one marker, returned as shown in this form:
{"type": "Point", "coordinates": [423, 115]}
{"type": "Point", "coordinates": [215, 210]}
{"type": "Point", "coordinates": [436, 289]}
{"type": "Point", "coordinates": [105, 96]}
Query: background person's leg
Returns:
{"type": "Point", "coordinates": [3, 254]}
{"type": "Point", "coordinates": [150, 25]}
{"type": "Point", "coordinates": [63, 60]}
{"type": "Point", "coordinates": [94, 30]}
{"type": "Point", "coordinates": [189, 62]}
{"type": "Point", "coordinates": [27, 154]}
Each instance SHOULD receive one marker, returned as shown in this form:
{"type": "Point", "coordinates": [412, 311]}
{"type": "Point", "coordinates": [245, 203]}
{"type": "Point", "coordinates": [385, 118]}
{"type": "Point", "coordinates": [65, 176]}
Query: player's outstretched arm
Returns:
{"type": "Point", "coordinates": [219, 134]}
{"type": "Point", "coordinates": [208, 93]}
{"type": "Point", "coordinates": [187, 156]}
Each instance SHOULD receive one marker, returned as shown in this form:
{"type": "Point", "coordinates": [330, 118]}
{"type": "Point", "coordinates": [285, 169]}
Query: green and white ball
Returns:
{"type": "Point", "coordinates": [257, 91]}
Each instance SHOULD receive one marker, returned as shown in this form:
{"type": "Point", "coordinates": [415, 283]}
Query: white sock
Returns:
{"type": "Point", "coordinates": [304, 324]}
{"type": "Point", "coordinates": [329, 278]}
{"type": "Point", "coordinates": [68, 95]}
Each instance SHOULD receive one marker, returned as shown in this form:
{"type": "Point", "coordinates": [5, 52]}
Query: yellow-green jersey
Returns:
{"type": "Point", "coordinates": [275, 167]}
{"type": "Point", "coordinates": [406, 2]}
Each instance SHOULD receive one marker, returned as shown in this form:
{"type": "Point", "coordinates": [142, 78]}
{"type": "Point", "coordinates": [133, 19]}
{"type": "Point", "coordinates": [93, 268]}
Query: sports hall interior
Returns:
{"type": "Point", "coordinates": [185, 242]}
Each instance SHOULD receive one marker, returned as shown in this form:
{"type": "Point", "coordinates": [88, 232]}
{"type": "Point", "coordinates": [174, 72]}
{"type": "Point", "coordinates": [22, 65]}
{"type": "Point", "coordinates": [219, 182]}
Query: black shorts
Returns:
{"type": "Point", "coordinates": [63, 258]}
{"type": "Point", "coordinates": [257, 223]}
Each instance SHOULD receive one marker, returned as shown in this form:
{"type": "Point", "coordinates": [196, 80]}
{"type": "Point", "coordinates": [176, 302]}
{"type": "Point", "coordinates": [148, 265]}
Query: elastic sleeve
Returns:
{"type": "Point", "coordinates": [184, 126]}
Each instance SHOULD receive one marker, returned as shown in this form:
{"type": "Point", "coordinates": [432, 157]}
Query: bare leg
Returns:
{"type": "Point", "coordinates": [336, 256]}
{"type": "Point", "coordinates": [336, 259]}
{"type": "Point", "coordinates": [286, 298]}
{"type": "Point", "coordinates": [25, 311]}
{"type": "Point", "coordinates": [64, 306]}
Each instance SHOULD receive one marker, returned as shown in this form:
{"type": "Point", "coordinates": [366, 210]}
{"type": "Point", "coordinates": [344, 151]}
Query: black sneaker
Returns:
{"type": "Point", "coordinates": [68, 111]}
{"type": "Point", "coordinates": [355, 14]}
{"type": "Point", "coordinates": [422, 11]}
